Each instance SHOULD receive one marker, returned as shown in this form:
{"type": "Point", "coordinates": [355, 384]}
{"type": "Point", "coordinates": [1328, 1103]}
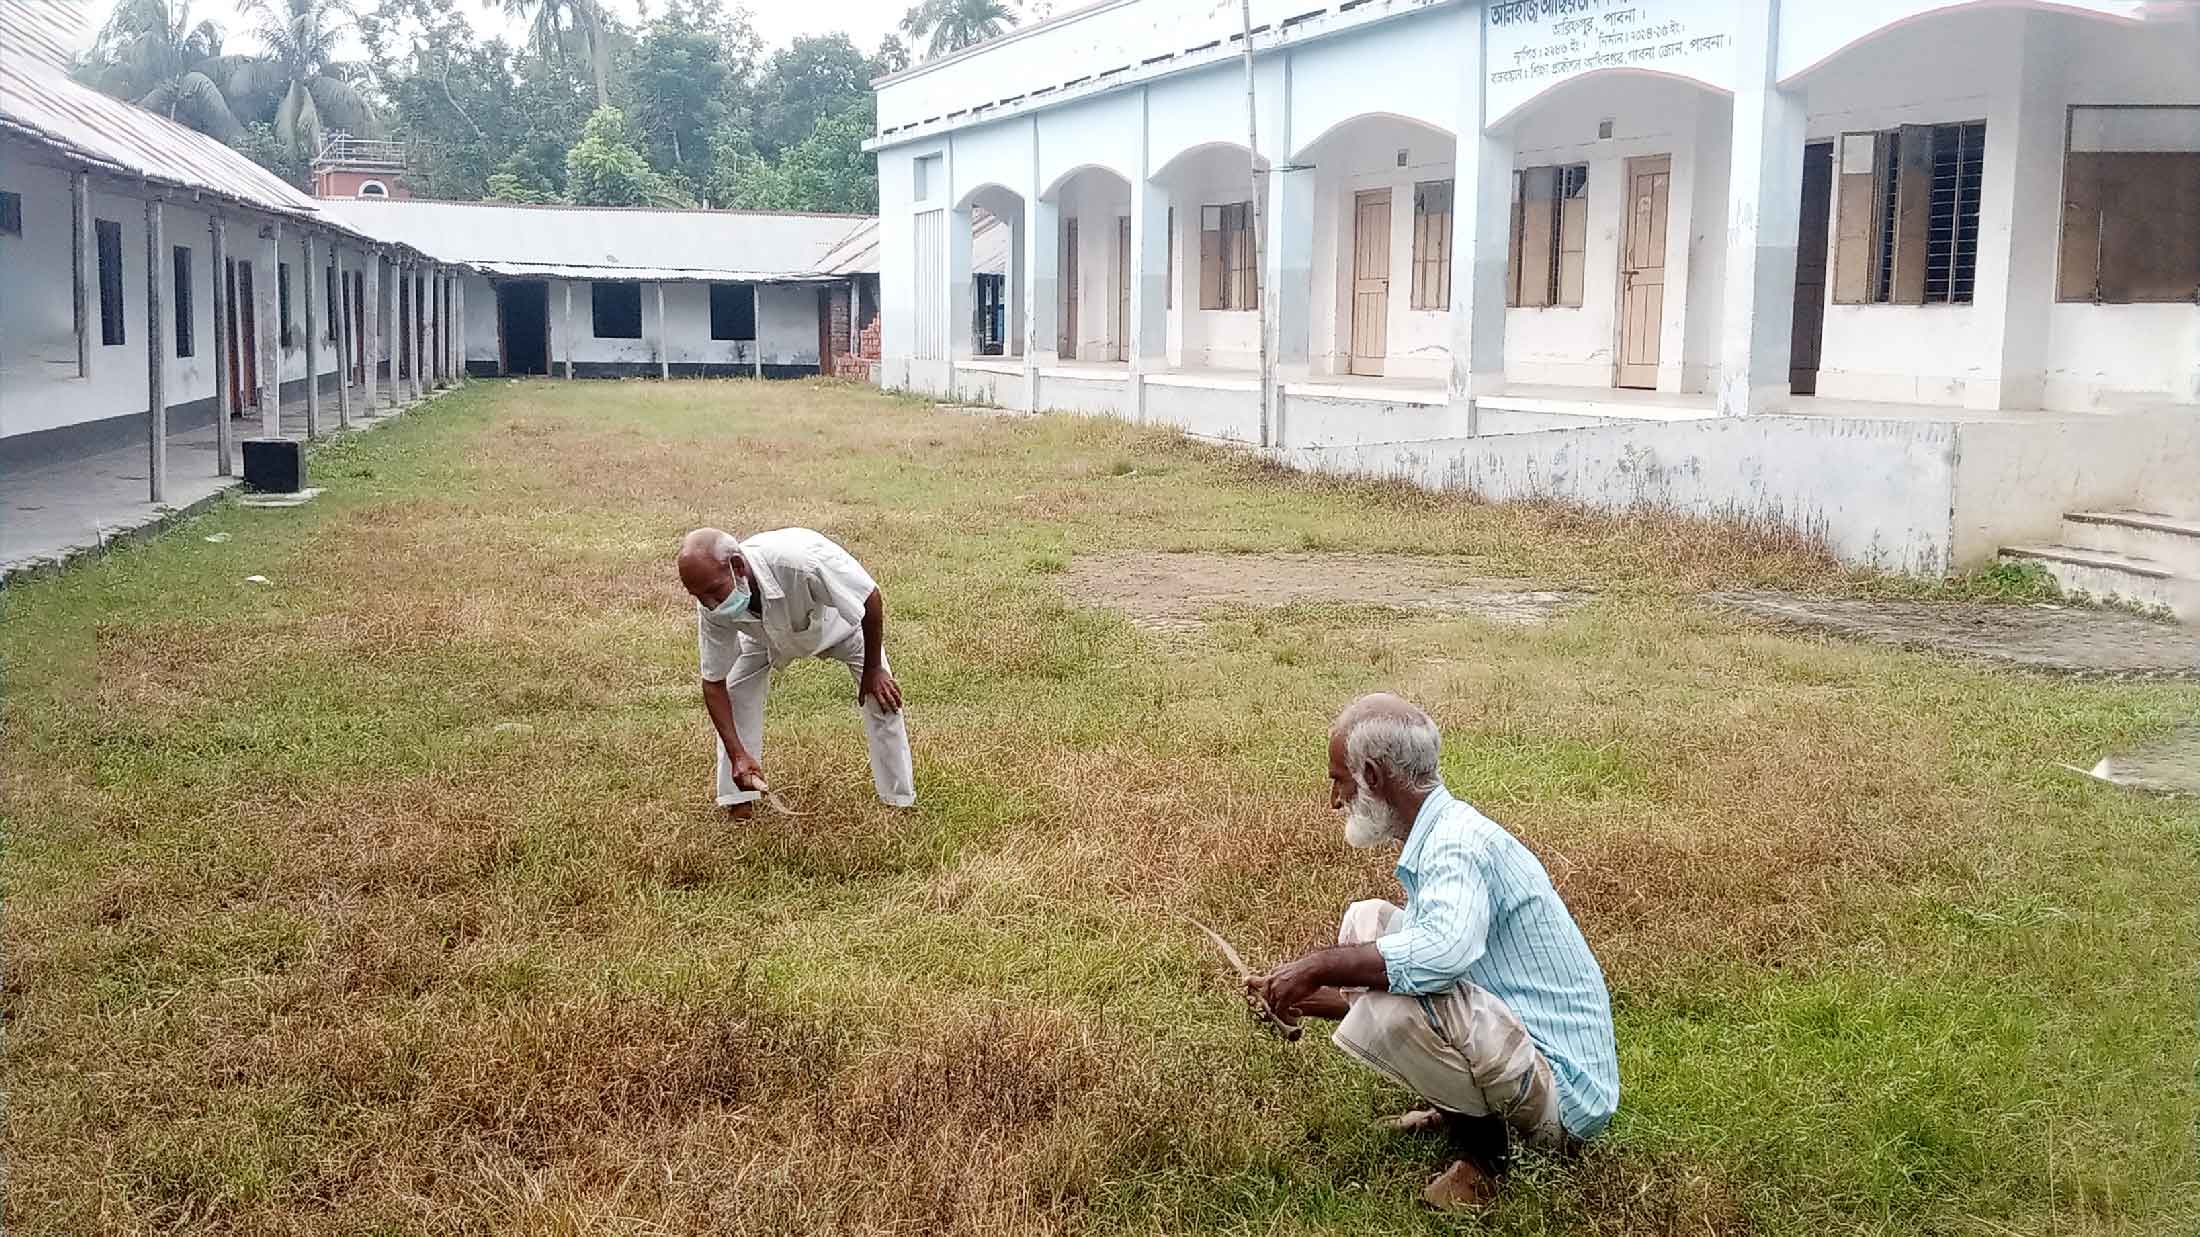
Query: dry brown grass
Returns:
{"type": "Point", "coordinates": [387, 898]}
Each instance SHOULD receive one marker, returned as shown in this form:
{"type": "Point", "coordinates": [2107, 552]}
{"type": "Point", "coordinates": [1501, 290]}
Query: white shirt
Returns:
{"type": "Point", "coordinates": [812, 599]}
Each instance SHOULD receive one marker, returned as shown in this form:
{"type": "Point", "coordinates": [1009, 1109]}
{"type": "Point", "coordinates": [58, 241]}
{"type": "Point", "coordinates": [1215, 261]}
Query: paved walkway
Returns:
{"type": "Point", "coordinates": [50, 513]}
{"type": "Point", "coordinates": [2070, 639]}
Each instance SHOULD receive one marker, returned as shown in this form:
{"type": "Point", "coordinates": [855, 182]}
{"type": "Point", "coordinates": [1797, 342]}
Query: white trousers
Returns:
{"type": "Point", "coordinates": [750, 681]}
{"type": "Point", "coordinates": [1464, 1051]}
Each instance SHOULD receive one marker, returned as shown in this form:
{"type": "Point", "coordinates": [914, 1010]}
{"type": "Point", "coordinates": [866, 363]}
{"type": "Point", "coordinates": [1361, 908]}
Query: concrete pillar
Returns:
{"type": "Point", "coordinates": [1014, 288]}
{"type": "Point", "coordinates": [756, 346]}
{"type": "Point", "coordinates": [381, 329]}
{"type": "Point", "coordinates": [458, 328]}
{"type": "Point", "coordinates": [438, 316]}
{"type": "Point", "coordinates": [267, 291]}
{"type": "Point", "coordinates": [565, 332]}
{"type": "Point", "coordinates": [309, 286]}
{"type": "Point", "coordinates": [1147, 333]}
{"type": "Point", "coordinates": [2020, 209]}
{"type": "Point", "coordinates": [1042, 255]}
{"type": "Point", "coordinates": [1764, 219]}
{"type": "Point", "coordinates": [1481, 233]}
{"type": "Point", "coordinates": [344, 334]}
{"type": "Point", "coordinates": [156, 353]}
{"type": "Point", "coordinates": [960, 287]}
{"type": "Point", "coordinates": [421, 382]}
{"type": "Point", "coordinates": [664, 340]}
{"type": "Point", "coordinates": [87, 264]}
{"type": "Point", "coordinates": [225, 396]}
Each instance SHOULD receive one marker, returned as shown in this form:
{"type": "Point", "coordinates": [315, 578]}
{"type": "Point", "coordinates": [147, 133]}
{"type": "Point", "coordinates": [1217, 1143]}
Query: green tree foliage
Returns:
{"type": "Point", "coordinates": [943, 27]}
{"type": "Point", "coordinates": [606, 168]}
{"type": "Point", "coordinates": [152, 52]}
{"type": "Point", "coordinates": [826, 171]}
{"type": "Point", "coordinates": [712, 118]}
{"type": "Point", "coordinates": [803, 83]}
{"type": "Point", "coordinates": [689, 80]}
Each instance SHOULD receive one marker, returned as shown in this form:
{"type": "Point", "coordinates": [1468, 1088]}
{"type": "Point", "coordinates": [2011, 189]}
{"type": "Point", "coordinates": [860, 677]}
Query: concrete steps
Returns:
{"type": "Point", "coordinates": [2138, 558]}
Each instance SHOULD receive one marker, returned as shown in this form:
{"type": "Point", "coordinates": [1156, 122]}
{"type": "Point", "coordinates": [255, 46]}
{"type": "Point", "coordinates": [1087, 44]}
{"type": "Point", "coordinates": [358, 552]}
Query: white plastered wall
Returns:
{"type": "Point", "coordinates": [40, 388]}
{"type": "Point", "coordinates": [1578, 346]}
{"type": "Point", "coordinates": [1361, 157]}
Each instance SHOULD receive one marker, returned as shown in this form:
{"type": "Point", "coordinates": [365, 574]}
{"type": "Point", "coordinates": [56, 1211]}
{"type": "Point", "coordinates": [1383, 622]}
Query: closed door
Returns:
{"type": "Point", "coordinates": [1642, 271]}
{"type": "Point", "coordinates": [1370, 281]}
{"type": "Point", "coordinates": [244, 337]}
{"type": "Point", "coordinates": [1122, 287]}
{"type": "Point", "coordinates": [1810, 269]}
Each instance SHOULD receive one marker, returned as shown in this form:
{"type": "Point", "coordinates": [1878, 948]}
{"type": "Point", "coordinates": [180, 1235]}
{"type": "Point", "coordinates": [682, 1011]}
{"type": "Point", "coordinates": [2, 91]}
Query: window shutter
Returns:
{"type": "Point", "coordinates": [1913, 193]}
{"type": "Point", "coordinates": [1573, 236]}
{"type": "Point", "coordinates": [1512, 247]}
{"type": "Point", "coordinates": [1854, 218]}
{"type": "Point", "coordinates": [1210, 257]}
{"type": "Point", "coordinates": [1536, 235]}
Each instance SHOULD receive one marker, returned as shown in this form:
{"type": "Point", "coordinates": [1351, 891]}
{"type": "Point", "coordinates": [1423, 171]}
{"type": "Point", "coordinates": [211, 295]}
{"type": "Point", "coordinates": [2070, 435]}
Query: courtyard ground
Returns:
{"type": "Point", "coordinates": [385, 895]}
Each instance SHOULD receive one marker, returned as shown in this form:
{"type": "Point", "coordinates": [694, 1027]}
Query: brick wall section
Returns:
{"type": "Point", "coordinates": [861, 365]}
{"type": "Point", "coordinates": [838, 322]}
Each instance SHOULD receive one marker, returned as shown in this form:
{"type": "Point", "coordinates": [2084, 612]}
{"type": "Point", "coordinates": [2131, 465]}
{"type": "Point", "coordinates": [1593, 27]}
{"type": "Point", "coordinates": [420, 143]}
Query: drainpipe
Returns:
{"type": "Point", "coordinates": [1260, 199]}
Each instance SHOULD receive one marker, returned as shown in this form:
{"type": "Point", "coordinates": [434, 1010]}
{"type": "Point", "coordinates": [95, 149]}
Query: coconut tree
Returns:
{"type": "Point", "coordinates": [950, 25]}
{"type": "Point", "coordinates": [549, 21]}
{"type": "Point", "coordinates": [151, 51]}
{"type": "Point", "coordinates": [312, 90]}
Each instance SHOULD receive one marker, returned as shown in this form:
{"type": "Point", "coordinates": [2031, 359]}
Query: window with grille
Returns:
{"type": "Point", "coordinates": [732, 311]}
{"type": "Point", "coordinates": [1229, 276]}
{"type": "Point", "coordinates": [1547, 258]}
{"type": "Point", "coordinates": [329, 287]}
{"type": "Point", "coordinates": [109, 237]}
{"type": "Point", "coordinates": [1432, 244]}
{"type": "Point", "coordinates": [1907, 205]}
{"type": "Point", "coordinates": [2131, 206]}
{"type": "Point", "coordinates": [186, 345]}
{"type": "Point", "coordinates": [615, 309]}
{"type": "Point", "coordinates": [282, 303]}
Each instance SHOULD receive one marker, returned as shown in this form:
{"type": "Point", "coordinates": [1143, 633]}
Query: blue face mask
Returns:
{"type": "Point", "coordinates": [736, 603]}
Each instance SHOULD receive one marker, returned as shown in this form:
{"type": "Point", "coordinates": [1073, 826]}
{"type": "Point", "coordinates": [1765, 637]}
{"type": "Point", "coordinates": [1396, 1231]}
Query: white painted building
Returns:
{"type": "Point", "coordinates": [602, 292]}
{"type": "Point", "coordinates": [152, 279]}
{"type": "Point", "coordinates": [1917, 275]}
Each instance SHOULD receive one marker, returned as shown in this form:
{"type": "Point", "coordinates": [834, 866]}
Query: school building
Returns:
{"type": "Point", "coordinates": [1921, 277]}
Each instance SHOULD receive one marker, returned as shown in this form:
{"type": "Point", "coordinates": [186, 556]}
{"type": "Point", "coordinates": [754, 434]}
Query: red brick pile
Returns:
{"type": "Point", "coordinates": [862, 366]}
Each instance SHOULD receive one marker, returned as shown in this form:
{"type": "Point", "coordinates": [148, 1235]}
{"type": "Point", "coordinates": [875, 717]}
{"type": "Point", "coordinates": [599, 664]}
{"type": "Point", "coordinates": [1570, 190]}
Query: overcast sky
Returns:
{"type": "Point", "coordinates": [777, 22]}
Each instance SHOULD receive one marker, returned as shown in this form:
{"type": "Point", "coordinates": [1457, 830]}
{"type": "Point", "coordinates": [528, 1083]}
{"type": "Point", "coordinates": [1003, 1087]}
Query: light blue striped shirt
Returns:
{"type": "Point", "coordinates": [1480, 908]}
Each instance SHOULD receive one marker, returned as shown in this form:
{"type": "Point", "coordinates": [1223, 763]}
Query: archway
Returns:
{"type": "Point", "coordinates": [1381, 261]}
{"type": "Point", "coordinates": [1216, 235]}
{"type": "Point", "coordinates": [1093, 263]}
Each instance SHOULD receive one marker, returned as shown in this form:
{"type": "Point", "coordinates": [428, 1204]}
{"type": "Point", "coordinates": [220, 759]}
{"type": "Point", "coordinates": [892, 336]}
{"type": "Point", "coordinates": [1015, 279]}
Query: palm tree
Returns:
{"type": "Point", "coordinates": [548, 18]}
{"type": "Point", "coordinates": [956, 24]}
{"type": "Point", "coordinates": [151, 51]}
{"type": "Point", "coordinates": [313, 90]}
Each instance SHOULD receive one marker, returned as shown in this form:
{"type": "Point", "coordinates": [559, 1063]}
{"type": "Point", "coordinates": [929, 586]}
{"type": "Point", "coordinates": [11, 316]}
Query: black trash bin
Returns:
{"type": "Point", "coordinates": [277, 465]}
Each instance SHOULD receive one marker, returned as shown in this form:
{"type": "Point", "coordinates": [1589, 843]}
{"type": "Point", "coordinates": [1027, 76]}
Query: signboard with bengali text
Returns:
{"type": "Point", "coordinates": [1537, 44]}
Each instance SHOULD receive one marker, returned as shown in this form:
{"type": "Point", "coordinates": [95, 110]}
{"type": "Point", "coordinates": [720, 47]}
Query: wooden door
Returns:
{"type": "Point", "coordinates": [1068, 347]}
{"type": "Point", "coordinates": [244, 339]}
{"type": "Point", "coordinates": [1642, 271]}
{"type": "Point", "coordinates": [1810, 269]}
{"type": "Point", "coordinates": [1122, 287]}
{"type": "Point", "coordinates": [1370, 281]}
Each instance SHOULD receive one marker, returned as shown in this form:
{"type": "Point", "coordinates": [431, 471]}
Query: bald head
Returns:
{"type": "Point", "coordinates": [708, 561]}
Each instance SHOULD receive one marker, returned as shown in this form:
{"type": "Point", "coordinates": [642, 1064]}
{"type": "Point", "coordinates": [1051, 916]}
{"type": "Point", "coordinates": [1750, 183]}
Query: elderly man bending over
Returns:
{"type": "Point", "coordinates": [773, 599]}
{"type": "Point", "coordinates": [1480, 995]}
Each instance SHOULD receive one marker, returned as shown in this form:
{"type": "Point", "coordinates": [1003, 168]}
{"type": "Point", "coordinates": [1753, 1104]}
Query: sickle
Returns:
{"type": "Point", "coordinates": [1262, 1011]}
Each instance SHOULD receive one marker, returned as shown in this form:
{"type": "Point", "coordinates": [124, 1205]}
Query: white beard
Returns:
{"type": "Point", "coordinates": [1368, 822]}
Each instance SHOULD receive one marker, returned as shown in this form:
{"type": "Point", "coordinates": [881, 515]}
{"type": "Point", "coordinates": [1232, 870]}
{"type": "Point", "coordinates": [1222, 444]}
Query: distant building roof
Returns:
{"type": "Point", "coordinates": [40, 102]}
{"type": "Point", "coordinates": [597, 242]}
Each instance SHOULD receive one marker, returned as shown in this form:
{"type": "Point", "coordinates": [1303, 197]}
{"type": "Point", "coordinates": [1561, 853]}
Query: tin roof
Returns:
{"type": "Point", "coordinates": [40, 102]}
{"type": "Point", "coordinates": [599, 242]}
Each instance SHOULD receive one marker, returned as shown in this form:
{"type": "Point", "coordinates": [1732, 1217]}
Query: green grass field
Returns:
{"type": "Point", "coordinates": [387, 897]}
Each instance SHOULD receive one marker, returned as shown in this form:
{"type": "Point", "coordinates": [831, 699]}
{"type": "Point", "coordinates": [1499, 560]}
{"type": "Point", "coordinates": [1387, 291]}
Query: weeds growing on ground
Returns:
{"type": "Point", "coordinates": [386, 897]}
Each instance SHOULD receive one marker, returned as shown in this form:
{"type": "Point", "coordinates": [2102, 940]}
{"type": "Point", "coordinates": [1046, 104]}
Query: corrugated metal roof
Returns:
{"type": "Point", "coordinates": [990, 241]}
{"type": "Point", "coordinates": [593, 242]}
{"type": "Point", "coordinates": [40, 102]}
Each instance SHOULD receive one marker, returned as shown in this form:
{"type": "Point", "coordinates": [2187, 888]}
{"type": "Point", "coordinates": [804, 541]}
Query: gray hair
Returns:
{"type": "Point", "coordinates": [1394, 733]}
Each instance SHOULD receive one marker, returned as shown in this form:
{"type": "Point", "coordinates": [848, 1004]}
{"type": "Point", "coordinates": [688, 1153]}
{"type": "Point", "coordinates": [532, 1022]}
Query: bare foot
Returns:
{"type": "Point", "coordinates": [741, 811]}
{"type": "Point", "coordinates": [1412, 1121]}
{"type": "Point", "coordinates": [1460, 1187]}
